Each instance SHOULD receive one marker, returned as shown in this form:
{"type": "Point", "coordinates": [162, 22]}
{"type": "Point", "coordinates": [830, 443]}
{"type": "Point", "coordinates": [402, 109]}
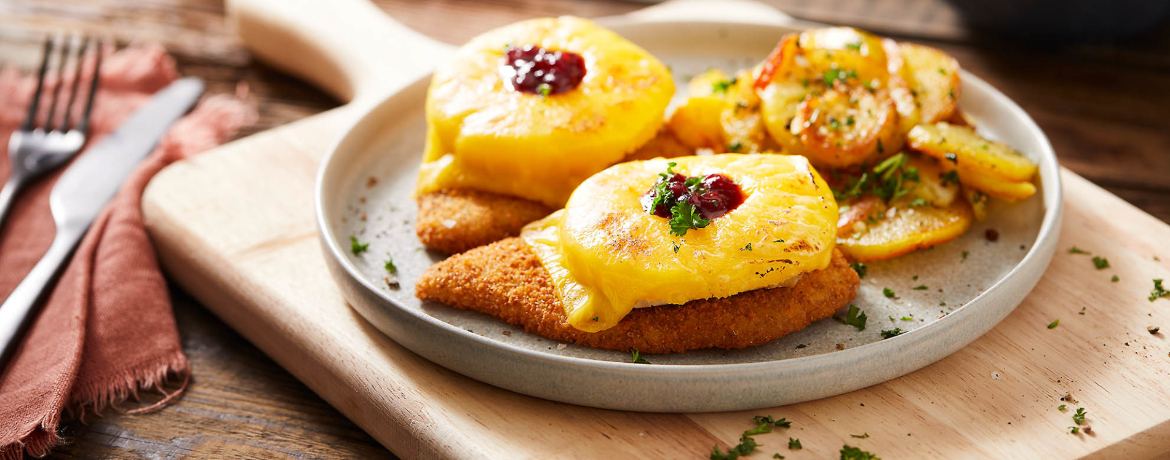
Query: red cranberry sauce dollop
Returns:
{"type": "Point", "coordinates": [526, 69]}
{"type": "Point", "coordinates": [714, 196]}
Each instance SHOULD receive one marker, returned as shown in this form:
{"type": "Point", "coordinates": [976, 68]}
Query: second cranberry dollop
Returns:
{"type": "Point", "coordinates": [713, 195]}
{"type": "Point", "coordinates": [532, 69]}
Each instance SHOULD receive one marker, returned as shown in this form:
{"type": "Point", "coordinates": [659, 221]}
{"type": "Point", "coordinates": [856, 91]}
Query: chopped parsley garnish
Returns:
{"type": "Point", "coordinates": [854, 317]}
{"type": "Point", "coordinates": [1074, 429]}
{"type": "Point", "coordinates": [892, 332]}
{"type": "Point", "coordinates": [684, 214]}
{"type": "Point", "coordinates": [545, 89]}
{"type": "Point", "coordinates": [834, 124]}
{"type": "Point", "coordinates": [850, 121]}
{"type": "Point", "coordinates": [1158, 291]}
{"type": "Point", "coordinates": [637, 357]}
{"type": "Point", "coordinates": [889, 293]}
{"type": "Point", "coordinates": [676, 247]}
{"type": "Point", "coordinates": [833, 75]}
{"type": "Point", "coordinates": [356, 247]}
{"type": "Point", "coordinates": [746, 248]}
{"type": "Point", "coordinates": [794, 444]}
{"type": "Point", "coordinates": [855, 46]}
{"type": "Point", "coordinates": [767, 419]}
{"type": "Point", "coordinates": [942, 71]}
{"type": "Point", "coordinates": [1076, 250]}
{"type": "Point", "coordinates": [734, 146]}
{"type": "Point", "coordinates": [918, 202]}
{"type": "Point", "coordinates": [721, 86]}
{"type": "Point", "coordinates": [389, 265]}
{"type": "Point", "coordinates": [965, 254]}
{"type": "Point", "coordinates": [781, 457]}
{"type": "Point", "coordinates": [859, 436]}
{"type": "Point", "coordinates": [859, 268]}
{"type": "Point", "coordinates": [920, 287]}
{"type": "Point", "coordinates": [1100, 262]}
{"type": "Point", "coordinates": [949, 177]}
{"type": "Point", "coordinates": [1061, 407]}
{"type": "Point", "coordinates": [890, 179]}
{"type": "Point", "coordinates": [907, 318]}
{"type": "Point", "coordinates": [1053, 324]}
{"type": "Point", "coordinates": [746, 446]}
{"type": "Point", "coordinates": [1079, 417]}
{"type": "Point", "coordinates": [1115, 279]}
{"type": "Point", "coordinates": [855, 453]}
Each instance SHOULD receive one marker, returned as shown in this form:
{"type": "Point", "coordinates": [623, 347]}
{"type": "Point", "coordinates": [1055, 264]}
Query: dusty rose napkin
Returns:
{"type": "Point", "coordinates": [107, 330]}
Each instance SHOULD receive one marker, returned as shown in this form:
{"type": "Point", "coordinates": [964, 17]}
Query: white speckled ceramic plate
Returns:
{"type": "Point", "coordinates": [971, 283]}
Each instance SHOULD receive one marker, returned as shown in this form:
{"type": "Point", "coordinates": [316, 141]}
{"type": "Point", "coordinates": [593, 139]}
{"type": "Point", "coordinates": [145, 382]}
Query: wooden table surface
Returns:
{"type": "Point", "coordinates": [1105, 108]}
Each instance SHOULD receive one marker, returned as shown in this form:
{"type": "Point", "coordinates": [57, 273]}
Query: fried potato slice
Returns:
{"type": "Point", "coordinates": [978, 202]}
{"type": "Point", "coordinates": [933, 77]}
{"type": "Point", "coordinates": [722, 114]}
{"type": "Point", "coordinates": [991, 184]}
{"type": "Point", "coordinates": [904, 229]}
{"type": "Point", "coordinates": [846, 127]}
{"type": "Point", "coordinates": [506, 280]}
{"type": "Point", "coordinates": [969, 150]}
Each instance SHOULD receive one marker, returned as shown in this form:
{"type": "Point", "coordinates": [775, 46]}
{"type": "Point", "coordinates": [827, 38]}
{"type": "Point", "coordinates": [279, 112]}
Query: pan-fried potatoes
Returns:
{"type": "Point", "coordinates": [905, 229]}
{"type": "Point", "coordinates": [722, 114]}
{"type": "Point", "coordinates": [933, 79]}
{"type": "Point", "coordinates": [850, 101]}
{"type": "Point", "coordinates": [969, 150]}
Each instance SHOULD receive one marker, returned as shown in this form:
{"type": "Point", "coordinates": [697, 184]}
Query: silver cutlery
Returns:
{"type": "Point", "coordinates": [34, 150]}
{"type": "Point", "coordinates": [84, 189]}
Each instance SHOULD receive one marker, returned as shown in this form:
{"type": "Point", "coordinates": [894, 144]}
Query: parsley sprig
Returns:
{"type": "Point", "coordinates": [684, 215]}
{"type": "Point", "coordinates": [891, 179]}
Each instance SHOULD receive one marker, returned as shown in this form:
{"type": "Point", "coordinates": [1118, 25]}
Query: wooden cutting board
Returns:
{"type": "Point", "coordinates": [235, 227]}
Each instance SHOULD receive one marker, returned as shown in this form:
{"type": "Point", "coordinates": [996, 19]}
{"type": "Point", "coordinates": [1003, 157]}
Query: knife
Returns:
{"type": "Point", "coordinates": [81, 193]}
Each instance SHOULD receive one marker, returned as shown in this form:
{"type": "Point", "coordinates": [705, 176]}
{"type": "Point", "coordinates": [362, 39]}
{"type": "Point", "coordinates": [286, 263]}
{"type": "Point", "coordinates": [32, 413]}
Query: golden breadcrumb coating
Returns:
{"type": "Point", "coordinates": [506, 280]}
{"type": "Point", "coordinates": [455, 220]}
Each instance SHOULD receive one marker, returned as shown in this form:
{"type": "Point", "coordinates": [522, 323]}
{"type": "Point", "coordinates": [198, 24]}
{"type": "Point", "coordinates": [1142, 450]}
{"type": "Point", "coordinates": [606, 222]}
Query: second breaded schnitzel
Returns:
{"type": "Point", "coordinates": [506, 280]}
{"type": "Point", "coordinates": [455, 220]}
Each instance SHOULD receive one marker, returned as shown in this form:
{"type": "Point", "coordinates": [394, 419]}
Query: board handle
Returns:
{"type": "Point", "coordinates": [349, 48]}
{"type": "Point", "coordinates": [743, 11]}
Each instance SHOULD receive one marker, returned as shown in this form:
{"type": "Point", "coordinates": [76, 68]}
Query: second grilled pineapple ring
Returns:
{"type": "Point", "coordinates": [606, 254]}
{"type": "Point", "coordinates": [843, 128]}
{"type": "Point", "coordinates": [486, 136]}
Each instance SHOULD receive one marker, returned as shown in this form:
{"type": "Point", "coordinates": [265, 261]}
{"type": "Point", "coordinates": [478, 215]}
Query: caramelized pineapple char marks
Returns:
{"type": "Point", "coordinates": [506, 280]}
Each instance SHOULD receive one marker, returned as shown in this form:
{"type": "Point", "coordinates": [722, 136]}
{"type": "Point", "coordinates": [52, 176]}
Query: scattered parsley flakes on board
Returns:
{"type": "Point", "coordinates": [1053, 324]}
{"type": "Point", "coordinates": [794, 444]}
{"type": "Point", "coordinates": [1076, 250]}
{"type": "Point", "coordinates": [1100, 262]}
{"type": "Point", "coordinates": [356, 247]}
{"type": "Point", "coordinates": [920, 287]}
{"type": "Point", "coordinates": [1079, 416]}
{"type": "Point", "coordinates": [1115, 279]}
{"type": "Point", "coordinates": [854, 317]}
{"type": "Point", "coordinates": [1158, 291]}
{"type": "Point", "coordinates": [859, 436]}
{"type": "Point", "coordinates": [855, 453]}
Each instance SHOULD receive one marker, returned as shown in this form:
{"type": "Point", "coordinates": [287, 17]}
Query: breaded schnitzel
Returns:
{"type": "Point", "coordinates": [455, 220]}
{"type": "Point", "coordinates": [506, 280]}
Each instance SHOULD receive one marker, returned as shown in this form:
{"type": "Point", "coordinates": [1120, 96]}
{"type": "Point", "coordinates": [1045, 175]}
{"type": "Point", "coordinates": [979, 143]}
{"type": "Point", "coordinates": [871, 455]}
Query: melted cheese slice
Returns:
{"type": "Point", "coordinates": [484, 136]}
{"type": "Point", "coordinates": [607, 255]}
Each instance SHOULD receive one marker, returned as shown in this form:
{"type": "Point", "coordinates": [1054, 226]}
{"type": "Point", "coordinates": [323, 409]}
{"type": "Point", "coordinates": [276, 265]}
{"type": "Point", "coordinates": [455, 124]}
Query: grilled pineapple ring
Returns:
{"type": "Point", "coordinates": [607, 255]}
{"type": "Point", "coordinates": [484, 136]}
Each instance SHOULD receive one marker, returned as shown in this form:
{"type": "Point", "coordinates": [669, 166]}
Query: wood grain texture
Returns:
{"type": "Point", "coordinates": [1099, 104]}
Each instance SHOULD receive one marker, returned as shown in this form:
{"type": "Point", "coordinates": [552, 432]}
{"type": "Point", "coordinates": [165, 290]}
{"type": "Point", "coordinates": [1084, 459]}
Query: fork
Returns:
{"type": "Point", "coordinates": [35, 150]}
